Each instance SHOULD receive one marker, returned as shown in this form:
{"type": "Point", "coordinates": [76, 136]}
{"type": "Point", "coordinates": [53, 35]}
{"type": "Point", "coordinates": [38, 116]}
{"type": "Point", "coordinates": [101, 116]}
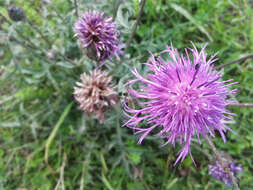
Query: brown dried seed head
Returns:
{"type": "Point", "coordinates": [95, 93]}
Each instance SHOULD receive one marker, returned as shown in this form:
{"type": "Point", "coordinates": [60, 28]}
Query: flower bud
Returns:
{"type": "Point", "coordinates": [16, 13]}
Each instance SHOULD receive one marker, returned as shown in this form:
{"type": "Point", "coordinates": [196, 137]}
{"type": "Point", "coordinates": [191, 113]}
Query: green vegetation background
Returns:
{"type": "Point", "coordinates": [47, 143]}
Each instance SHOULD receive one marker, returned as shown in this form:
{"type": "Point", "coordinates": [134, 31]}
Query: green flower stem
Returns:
{"type": "Point", "coordinates": [76, 8]}
{"type": "Point", "coordinates": [244, 105]}
{"type": "Point", "coordinates": [135, 25]}
{"type": "Point", "coordinates": [131, 35]}
{"type": "Point", "coordinates": [235, 61]}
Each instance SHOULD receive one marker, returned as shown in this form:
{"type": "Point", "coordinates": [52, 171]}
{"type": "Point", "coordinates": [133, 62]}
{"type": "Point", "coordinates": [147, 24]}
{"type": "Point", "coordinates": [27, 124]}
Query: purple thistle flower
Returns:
{"type": "Point", "coordinates": [218, 172]}
{"type": "Point", "coordinates": [181, 97]}
{"type": "Point", "coordinates": [98, 36]}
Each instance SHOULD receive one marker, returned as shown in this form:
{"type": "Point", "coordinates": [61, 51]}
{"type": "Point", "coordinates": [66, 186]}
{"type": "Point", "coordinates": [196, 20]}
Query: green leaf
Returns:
{"type": "Point", "coordinates": [65, 64]}
{"type": "Point", "coordinates": [186, 14]}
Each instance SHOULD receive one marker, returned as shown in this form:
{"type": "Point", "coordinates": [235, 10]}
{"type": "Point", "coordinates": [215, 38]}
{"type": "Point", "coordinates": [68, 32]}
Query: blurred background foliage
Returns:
{"type": "Point", "coordinates": [47, 143]}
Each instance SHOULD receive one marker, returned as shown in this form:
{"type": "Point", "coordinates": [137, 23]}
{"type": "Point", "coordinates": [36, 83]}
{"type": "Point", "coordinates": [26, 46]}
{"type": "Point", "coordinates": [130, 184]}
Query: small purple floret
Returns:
{"type": "Point", "coordinates": [180, 97]}
{"type": "Point", "coordinates": [219, 173]}
{"type": "Point", "coordinates": [98, 34]}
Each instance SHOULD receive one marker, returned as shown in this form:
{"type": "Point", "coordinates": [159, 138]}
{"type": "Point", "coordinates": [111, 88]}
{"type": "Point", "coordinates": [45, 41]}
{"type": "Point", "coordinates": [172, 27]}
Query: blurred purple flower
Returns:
{"type": "Point", "coordinates": [219, 172]}
{"type": "Point", "coordinates": [180, 97]}
{"type": "Point", "coordinates": [98, 36]}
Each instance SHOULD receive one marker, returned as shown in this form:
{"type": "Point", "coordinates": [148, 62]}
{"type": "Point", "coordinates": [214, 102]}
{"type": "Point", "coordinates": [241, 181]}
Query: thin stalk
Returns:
{"type": "Point", "coordinates": [243, 105]}
{"type": "Point", "coordinates": [121, 145]}
{"type": "Point", "coordinates": [219, 157]}
{"type": "Point", "coordinates": [76, 8]}
{"type": "Point", "coordinates": [131, 35]}
{"type": "Point", "coordinates": [135, 25]}
{"type": "Point", "coordinates": [98, 65]}
{"type": "Point", "coordinates": [235, 61]}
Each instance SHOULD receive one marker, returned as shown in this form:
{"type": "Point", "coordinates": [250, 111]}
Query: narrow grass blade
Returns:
{"type": "Point", "coordinates": [105, 168]}
{"type": "Point", "coordinates": [53, 133]}
{"type": "Point", "coordinates": [172, 183]}
{"type": "Point", "coordinates": [106, 182]}
{"type": "Point", "coordinates": [187, 15]}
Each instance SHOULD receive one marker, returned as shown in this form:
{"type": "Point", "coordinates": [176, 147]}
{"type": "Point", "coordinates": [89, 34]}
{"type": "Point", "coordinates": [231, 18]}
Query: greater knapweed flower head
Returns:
{"type": "Point", "coordinates": [95, 93]}
{"type": "Point", "coordinates": [180, 97]}
{"type": "Point", "coordinates": [220, 170]}
{"type": "Point", "coordinates": [98, 36]}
